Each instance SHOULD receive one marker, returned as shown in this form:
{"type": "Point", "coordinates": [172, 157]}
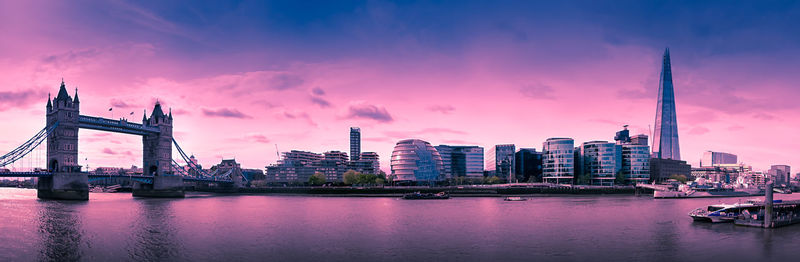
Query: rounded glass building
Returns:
{"type": "Point", "coordinates": [414, 160]}
{"type": "Point", "coordinates": [558, 160]}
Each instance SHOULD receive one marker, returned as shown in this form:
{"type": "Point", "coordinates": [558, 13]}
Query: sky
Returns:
{"type": "Point", "coordinates": [247, 79]}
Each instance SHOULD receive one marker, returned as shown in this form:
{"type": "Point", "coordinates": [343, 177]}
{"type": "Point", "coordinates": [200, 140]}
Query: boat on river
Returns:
{"type": "Point", "coordinates": [686, 191]}
{"type": "Point", "coordinates": [721, 212]}
{"type": "Point", "coordinates": [515, 198]}
{"type": "Point", "coordinates": [418, 195]}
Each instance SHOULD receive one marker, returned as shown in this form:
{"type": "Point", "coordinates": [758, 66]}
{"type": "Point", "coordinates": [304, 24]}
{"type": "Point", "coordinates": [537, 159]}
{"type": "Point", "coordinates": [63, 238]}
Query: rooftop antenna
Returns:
{"type": "Point", "coordinates": [277, 152]}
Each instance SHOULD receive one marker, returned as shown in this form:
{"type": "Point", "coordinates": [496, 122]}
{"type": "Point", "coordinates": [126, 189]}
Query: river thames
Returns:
{"type": "Point", "coordinates": [207, 227]}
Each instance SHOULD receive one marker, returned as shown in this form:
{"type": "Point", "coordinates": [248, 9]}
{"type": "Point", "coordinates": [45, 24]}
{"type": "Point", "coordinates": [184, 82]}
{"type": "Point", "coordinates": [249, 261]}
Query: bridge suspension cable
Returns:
{"type": "Point", "coordinates": [27, 147]}
{"type": "Point", "coordinates": [193, 166]}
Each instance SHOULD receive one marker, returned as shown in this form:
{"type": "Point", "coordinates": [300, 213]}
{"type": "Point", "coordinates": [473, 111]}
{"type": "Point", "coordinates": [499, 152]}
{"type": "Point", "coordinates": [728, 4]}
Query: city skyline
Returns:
{"type": "Point", "coordinates": [443, 88]}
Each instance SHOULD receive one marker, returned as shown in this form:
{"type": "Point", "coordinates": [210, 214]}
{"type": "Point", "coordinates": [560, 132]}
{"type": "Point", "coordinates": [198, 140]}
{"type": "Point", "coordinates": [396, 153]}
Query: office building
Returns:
{"type": "Point", "coordinates": [711, 158]}
{"type": "Point", "coordinates": [500, 161]}
{"type": "Point", "coordinates": [558, 160]}
{"type": "Point", "coordinates": [355, 143]}
{"type": "Point", "coordinates": [416, 161]}
{"type": "Point", "coordinates": [528, 165]}
{"type": "Point", "coordinates": [640, 139]}
{"type": "Point", "coordinates": [665, 139]}
{"type": "Point", "coordinates": [780, 174]}
{"type": "Point", "coordinates": [461, 161]}
{"type": "Point", "coordinates": [663, 169]}
{"type": "Point", "coordinates": [601, 161]}
{"type": "Point", "coordinates": [636, 162]}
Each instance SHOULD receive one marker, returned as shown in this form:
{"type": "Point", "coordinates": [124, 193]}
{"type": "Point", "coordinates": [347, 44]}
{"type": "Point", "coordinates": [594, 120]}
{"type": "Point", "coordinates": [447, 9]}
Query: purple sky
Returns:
{"type": "Point", "coordinates": [241, 77]}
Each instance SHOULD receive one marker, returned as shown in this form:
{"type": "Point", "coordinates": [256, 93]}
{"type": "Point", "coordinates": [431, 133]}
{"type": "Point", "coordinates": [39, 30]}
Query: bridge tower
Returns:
{"type": "Point", "coordinates": [67, 181]}
{"type": "Point", "coordinates": [157, 158]}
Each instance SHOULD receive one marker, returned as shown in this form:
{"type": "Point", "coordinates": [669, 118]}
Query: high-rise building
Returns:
{"type": "Point", "coordinates": [663, 169]}
{"type": "Point", "coordinates": [414, 160]}
{"type": "Point", "coordinates": [558, 160]}
{"type": "Point", "coordinates": [461, 161]}
{"type": "Point", "coordinates": [528, 164]}
{"type": "Point", "coordinates": [636, 162]}
{"type": "Point", "coordinates": [601, 161]}
{"type": "Point", "coordinates": [665, 138]}
{"type": "Point", "coordinates": [640, 139]}
{"type": "Point", "coordinates": [780, 174]}
{"type": "Point", "coordinates": [355, 143]}
{"type": "Point", "coordinates": [500, 161]}
{"type": "Point", "coordinates": [711, 158]}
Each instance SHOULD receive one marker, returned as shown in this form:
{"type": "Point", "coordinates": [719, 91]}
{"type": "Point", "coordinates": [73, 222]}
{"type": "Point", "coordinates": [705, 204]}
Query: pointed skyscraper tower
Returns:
{"type": "Point", "coordinates": [665, 137]}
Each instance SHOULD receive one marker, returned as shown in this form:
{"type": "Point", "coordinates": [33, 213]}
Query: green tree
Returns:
{"type": "Point", "coordinates": [350, 177]}
{"type": "Point", "coordinates": [492, 180]}
{"type": "Point", "coordinates": [680, 178]}
{"type": "Point", "coordinates": [584, 179]}
{"type": "Point", "coordinates": [317, 179]}
{"type": "Point", "coordinates": [380, 181]}
{"type": "Point", "coordinates": [620, 178]}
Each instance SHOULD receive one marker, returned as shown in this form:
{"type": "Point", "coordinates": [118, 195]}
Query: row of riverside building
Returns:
{"type": "Point", "coordinates": [625, 161]}
{"type": "Point", "coordinates": [299, 166]}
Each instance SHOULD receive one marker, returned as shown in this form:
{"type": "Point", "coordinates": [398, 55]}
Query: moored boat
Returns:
{"type": "Point", "coordinates": [721, 212]}
{"type": "Point", "coordinates": [418, 195]}
{"type": "Point", "coordinates": [515, 198]}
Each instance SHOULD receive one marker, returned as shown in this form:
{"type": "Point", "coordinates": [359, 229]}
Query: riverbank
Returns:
{"type": "Point", "coordinates": [455, 191]}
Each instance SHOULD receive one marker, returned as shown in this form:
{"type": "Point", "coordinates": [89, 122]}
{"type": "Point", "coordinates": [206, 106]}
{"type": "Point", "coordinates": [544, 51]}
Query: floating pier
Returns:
{"type": "Point", "coordinates": [772, 214]}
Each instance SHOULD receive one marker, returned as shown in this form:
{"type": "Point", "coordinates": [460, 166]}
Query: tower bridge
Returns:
{"type": "Point", "coordinates": [63, 177]}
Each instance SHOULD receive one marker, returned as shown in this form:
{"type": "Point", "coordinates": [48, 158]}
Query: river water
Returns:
{"type": "Point", "coordinates": [207, 227]}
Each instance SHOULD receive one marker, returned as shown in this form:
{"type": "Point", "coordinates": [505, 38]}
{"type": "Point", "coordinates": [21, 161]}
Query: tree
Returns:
{"type": "Point", "coordinates": [584, 179]}
{"type": "Point", "coordinates": [620, 178]}
{"type": "Point", "coordinates": [492, 180]}
{"type": "Point", "coordinates": [350, 177]}
{"type": "Point", "coordinates": [317, 179]}
{"type": "Point", "coordinates": [680, 178]}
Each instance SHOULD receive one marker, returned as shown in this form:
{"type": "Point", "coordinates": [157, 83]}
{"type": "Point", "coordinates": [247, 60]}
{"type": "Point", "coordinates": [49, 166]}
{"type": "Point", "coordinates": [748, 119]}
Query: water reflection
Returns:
{"type": "Point", "coordinates": [60, 230]}
{"type": "Point", "coordinates": [154, 236]}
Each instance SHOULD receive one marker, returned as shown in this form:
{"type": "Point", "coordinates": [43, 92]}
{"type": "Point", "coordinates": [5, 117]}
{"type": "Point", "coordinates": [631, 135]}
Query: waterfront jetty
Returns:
{"type": "Point", "coordinates": [771, 213]}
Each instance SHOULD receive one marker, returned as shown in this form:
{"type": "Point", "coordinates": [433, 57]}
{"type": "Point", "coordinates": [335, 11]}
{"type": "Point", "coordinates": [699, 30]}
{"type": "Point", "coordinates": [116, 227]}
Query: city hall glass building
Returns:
{"type": "Point", "coordinates": [414, 160]}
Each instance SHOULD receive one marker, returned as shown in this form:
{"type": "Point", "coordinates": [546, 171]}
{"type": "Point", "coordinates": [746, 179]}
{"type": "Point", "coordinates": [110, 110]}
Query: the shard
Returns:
{"type": "Point", "coordinates": [665, 138]}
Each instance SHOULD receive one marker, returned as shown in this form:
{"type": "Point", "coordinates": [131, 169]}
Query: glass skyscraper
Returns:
{"type": "Point", "coordinates": [665, 138]}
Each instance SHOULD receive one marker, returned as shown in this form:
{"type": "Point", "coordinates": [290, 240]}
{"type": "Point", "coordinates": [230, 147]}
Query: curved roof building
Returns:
{"type": "Point", "coordinates": [416, 160]}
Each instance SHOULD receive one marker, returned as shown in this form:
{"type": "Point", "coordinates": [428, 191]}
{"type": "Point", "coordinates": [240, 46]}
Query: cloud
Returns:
{"type": "Point", "coordinates": [423, 132]}
{"type": "Point", "coordinates": [367, 111]}
{"type": "Point", "coordinates": [299, 115]}
{"type": "Point", "coordinates": [764, 116]}
{"type": "Point", "coordinates": [444, 109]}
{"type": "Point", "coordinates": [258, 138]}
{"type": "Point", "coordinates": [538, 91]}
{"type": "Point", "coordinates": [108, 151]}
{"type": "Point", "coordinates": [285, 81]}
{"type": "Point", "coordinates": [321, 102]}
{"type": "Point", "coordinates": [318, 91]}
{"type": "Point", "coordinates": [225, 112]}
{"type": "Point", "coordinates": [115, 103]}
{"type": "Point", "coordinates": [698, 130]}
{"type": "Point", "coordinates": [11, 99]}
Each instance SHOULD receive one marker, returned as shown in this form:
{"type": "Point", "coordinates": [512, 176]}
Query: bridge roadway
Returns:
{"type": "Point", "coordinates": [118, 126]}
{"type": "Point", "coordinates": [94, 177]}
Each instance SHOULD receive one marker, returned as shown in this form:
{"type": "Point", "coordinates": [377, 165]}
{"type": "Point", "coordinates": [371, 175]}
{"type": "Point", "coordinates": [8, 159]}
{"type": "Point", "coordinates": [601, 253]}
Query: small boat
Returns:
{"type": "Point", "coordinates": [721, 212]}
{"type": "Point", "coordinates": [515, 198]}
{"type": "Point", "coordinates": [418, 195]}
